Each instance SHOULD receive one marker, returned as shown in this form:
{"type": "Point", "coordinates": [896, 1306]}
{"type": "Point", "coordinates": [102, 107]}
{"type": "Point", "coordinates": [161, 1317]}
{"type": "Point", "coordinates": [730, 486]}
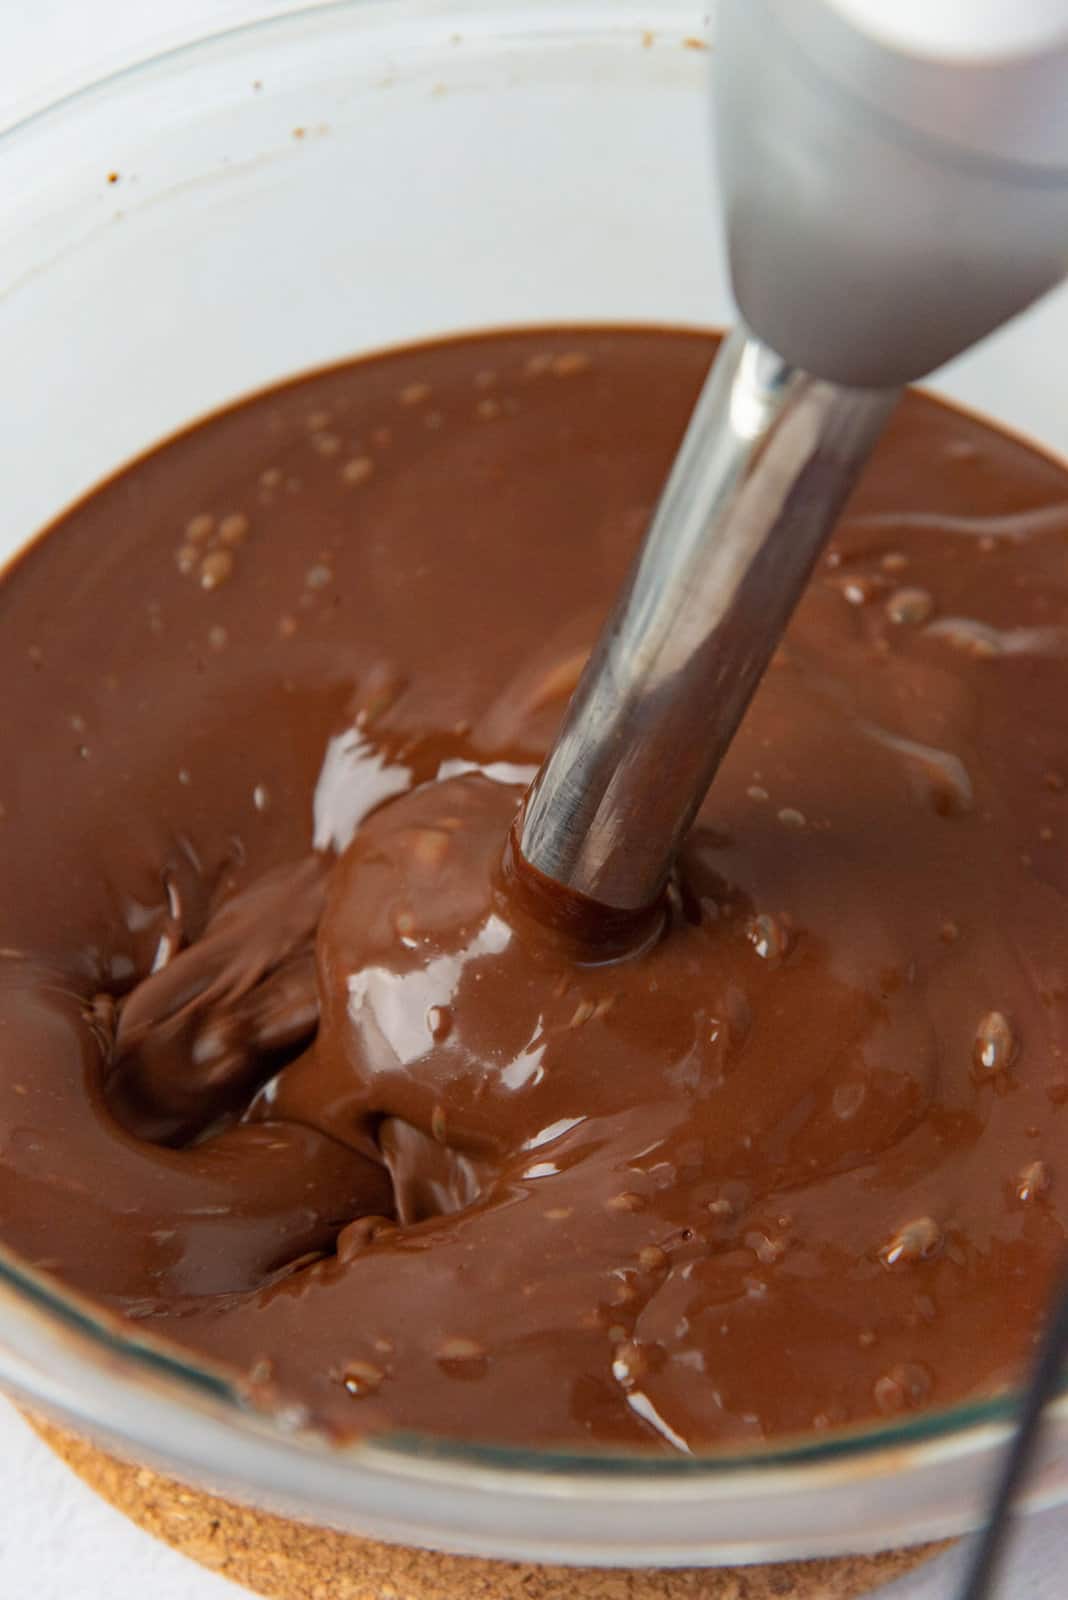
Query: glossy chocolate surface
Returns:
{"type": "Point", "coordinates": [287, 1075]}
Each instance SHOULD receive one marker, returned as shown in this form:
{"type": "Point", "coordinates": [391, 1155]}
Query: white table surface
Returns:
{"type": "Point", "coordinates": [58, 1541]}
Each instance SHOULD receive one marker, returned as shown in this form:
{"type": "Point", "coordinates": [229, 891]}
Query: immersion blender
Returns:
{"type": "Point", "coordinates": [895, 179]}
{"type": "Point", "coordinates": [895, 175]}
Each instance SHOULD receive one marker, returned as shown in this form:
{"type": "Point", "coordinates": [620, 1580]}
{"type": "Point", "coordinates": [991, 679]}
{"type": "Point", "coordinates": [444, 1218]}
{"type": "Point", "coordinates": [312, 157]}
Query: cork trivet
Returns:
{"type": "Point", "coordinates": [295, 1561]}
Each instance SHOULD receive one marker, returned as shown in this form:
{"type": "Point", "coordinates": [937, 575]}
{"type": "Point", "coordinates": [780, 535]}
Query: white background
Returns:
{"type": "Point", "coordinates": [57, 1540]}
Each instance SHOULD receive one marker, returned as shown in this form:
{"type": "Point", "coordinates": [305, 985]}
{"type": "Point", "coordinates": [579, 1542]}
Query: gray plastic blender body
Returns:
{"type": "Point", "coordinates": [883, 211]}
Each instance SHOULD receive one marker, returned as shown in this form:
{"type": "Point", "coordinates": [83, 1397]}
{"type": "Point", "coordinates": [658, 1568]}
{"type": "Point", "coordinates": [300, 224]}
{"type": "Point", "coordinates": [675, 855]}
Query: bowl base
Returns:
{"type": "Point", "coordinates": [274, 1556]}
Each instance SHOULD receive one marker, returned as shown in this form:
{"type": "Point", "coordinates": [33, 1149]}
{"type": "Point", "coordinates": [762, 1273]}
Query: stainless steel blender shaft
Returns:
{"type": "Point", "coordinates": [768, 459]}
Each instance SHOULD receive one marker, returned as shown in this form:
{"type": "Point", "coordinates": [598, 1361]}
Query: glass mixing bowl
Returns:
{"type": "Point", "coordinates": [285, 195]}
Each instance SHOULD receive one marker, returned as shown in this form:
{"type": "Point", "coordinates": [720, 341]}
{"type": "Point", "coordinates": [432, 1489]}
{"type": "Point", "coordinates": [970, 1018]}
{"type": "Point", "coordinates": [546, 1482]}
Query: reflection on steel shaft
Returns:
{"type": "Point", "coordinates": [768, 459]}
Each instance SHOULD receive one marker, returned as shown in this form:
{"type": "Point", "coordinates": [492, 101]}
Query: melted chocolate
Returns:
{"type": "Point", "coordinates": [287, 1075]}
